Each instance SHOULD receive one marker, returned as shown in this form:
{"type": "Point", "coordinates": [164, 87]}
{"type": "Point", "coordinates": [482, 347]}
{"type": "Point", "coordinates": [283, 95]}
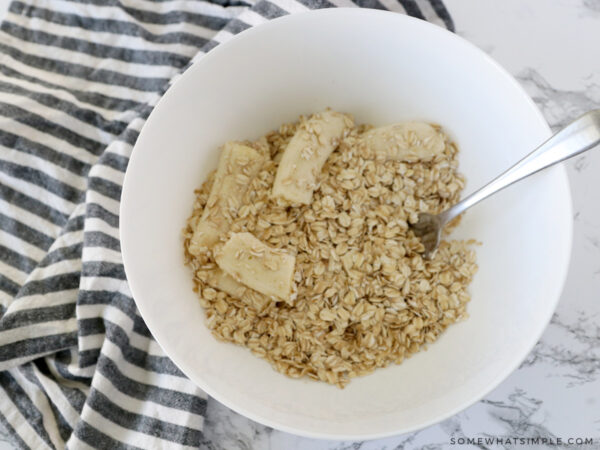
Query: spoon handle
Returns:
{"type": "Point", "coordinates": [580, 135]}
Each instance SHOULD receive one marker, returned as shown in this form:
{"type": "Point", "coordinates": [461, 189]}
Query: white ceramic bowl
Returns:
{"type": "Point", "coordinates": [382, 67]}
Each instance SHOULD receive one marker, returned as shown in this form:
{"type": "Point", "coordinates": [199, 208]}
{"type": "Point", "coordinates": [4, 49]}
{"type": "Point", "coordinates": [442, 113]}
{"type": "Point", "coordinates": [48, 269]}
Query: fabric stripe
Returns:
{"type": "Point", "coordinates": [66, 408]}
{"type": "Point", "coordinates": [316, 4]}
{"type": "Point", "coordinates": [161, 58]}
{"type": "Point", "coordinates": [16, 260]}
{"type": "Point", "coordinates": [148, 377]}
{"type": "Point", "coordinates": [268, 9]}
{"type": "Point", "coordinates": [73, 225]}
{"type": "Point", "coordinates": [92, 98]}
{"type": "Point", "coordinates": [443, 13]}
{"type": "Point", "coordinates": [31, 205]}
{"type": "Point", "coordinates": [41, 179]}
{"type": "Point", "coordinates": [13, 274]}
{"type": "Point", "coordinates": [25, 303]}
{"type": "Point", "coordinates": [138, 349]}
{"type": "Point", "coordinates": [25, 406]}
{"type": "Point", "coordinates": [115, 161]}
{"type": "Point", "coordinates": [214, 23]}
{"type": "Point", "coordinates": [412, 9]}
{"type": "Point", "coordinates": [62, 282]}
{"type": "Point", "coordinates": [76, 443]}
{"type": "Point", "coordinates": [38, 315]}
{"type": "Point", "coordinates": [62, 254]}
{"type": "Point", "coordinates": [58, 97]}
{"type": "Point", "coordinates": [44, 43]}
{"type": "Point", "coordinates": [15, 243]}
{"type": "Point", "coordinates": [103, 269]}
{"type": "Point", "coordinates": [88, 140]}
{"type": "Point", "coordinates": [144, 424]}
{"type": "Point", "coordinates": [117, 433]}
{"type": "Point", "coordinates": [98, 440]}
{"type": "Point", "coordinates": [133, 355]}
{"type": "Point", "coordinates": [23, 144]}
{"type": "Point", "coordinates": [101, 76]}
{"type": "Point", "coordinates": [35, 347]}
{"type": "Point", "coordinates": [23, 231]}
{"type": "Point", "coordinates": [17, 440]}
{"type": "Point", "coordinates": [51, 420]}
{"type": "Point", "coordinates": [129, 136]}
{"type": "Point", "coordinates": [112, 95]}
{"type": "Point", "coordinates": [117, 27]}
{"type": "Point", "coordinates": [105, 187]}
{"type": "Point", "coordinates": [64, 206]}
{"type": "Point", "coordinates": [40, 164]}
{"type": "Point", "coordinates": [95, 210]}
{"type": "Point", "coordinates": [149, 392]}
{"type": "Point", "coordinates": [32, 336]}
{"type": "Point", "coordinates": [23, 430]}
{"type": "Point", "coordinates": [373, 4]}
{"type": "Point", "coordinates": [101, 225]}
{"type": "Point", "coordinates": [181, 413]}
{"type": "Point", "coordinates": [65, 368]}
{"type": "Point", "coordinates": [105, 297]}
{"type": "Point", "coordinates": [9, 286]}
{"type": "Point", "coordinates": [126, 48]}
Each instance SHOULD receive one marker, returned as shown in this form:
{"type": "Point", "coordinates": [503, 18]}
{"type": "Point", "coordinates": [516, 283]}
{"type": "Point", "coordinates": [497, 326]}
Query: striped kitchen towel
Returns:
{"type": "Point", "coordinates": [78, 367]}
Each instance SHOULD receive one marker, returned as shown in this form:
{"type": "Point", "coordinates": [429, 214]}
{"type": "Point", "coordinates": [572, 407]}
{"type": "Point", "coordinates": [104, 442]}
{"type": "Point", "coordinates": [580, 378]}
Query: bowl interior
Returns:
{"type": "Point", "coordinates": [381, 67]}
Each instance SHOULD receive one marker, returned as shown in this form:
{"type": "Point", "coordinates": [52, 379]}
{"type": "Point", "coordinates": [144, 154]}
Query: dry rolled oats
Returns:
{"type": "Point", "coordinates": [363, 296]}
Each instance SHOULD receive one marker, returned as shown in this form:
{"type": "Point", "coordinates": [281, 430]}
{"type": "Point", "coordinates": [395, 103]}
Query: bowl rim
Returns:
{"type": "Point", "coordinates": [128, 260]}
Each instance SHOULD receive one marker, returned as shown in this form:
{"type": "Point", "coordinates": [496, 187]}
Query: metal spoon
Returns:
{"type": "Point", "coordinates": [580, 135]}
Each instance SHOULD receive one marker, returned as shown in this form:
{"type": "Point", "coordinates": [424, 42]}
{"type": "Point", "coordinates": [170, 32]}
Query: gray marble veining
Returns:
{"type": "Point", "coordinates": [559, 106]}
{"type": "Point", "coordinates": [576, 356]}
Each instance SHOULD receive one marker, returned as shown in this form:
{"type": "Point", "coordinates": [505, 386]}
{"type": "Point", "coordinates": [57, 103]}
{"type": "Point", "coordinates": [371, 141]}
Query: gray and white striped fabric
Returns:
{"type": "Point", "coordinates": [78, 367]}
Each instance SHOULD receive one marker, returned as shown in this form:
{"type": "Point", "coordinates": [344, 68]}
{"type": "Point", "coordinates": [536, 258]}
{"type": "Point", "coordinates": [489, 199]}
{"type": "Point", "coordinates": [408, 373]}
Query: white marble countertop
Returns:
{"type": "Point", "coordinates": [553, 48]}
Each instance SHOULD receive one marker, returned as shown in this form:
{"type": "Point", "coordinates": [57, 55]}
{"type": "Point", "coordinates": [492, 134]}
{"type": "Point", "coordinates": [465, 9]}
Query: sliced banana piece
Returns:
{"type": "Point", "coordinates": [249, 261]}
{"type": "Point", "coordinates": [306, 153]}
{"type": "Point", "coordinates": [405, 141]}
{"type": "Point", "coordinates": [223, 282]}
{"type": "Point", "coordinates": [238, 165]}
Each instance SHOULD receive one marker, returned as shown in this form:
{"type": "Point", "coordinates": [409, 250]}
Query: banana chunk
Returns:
{"type": "Point", "coordinates": [238, 165]}
{"type": "Point", "coordinates": [267, 270]}
{"type": "Point", "coordinates": [223, 282]}
{"type": "Point", "coordinates": [303, 158]}
{"type": "Point", "coordinates": [405, 141]}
